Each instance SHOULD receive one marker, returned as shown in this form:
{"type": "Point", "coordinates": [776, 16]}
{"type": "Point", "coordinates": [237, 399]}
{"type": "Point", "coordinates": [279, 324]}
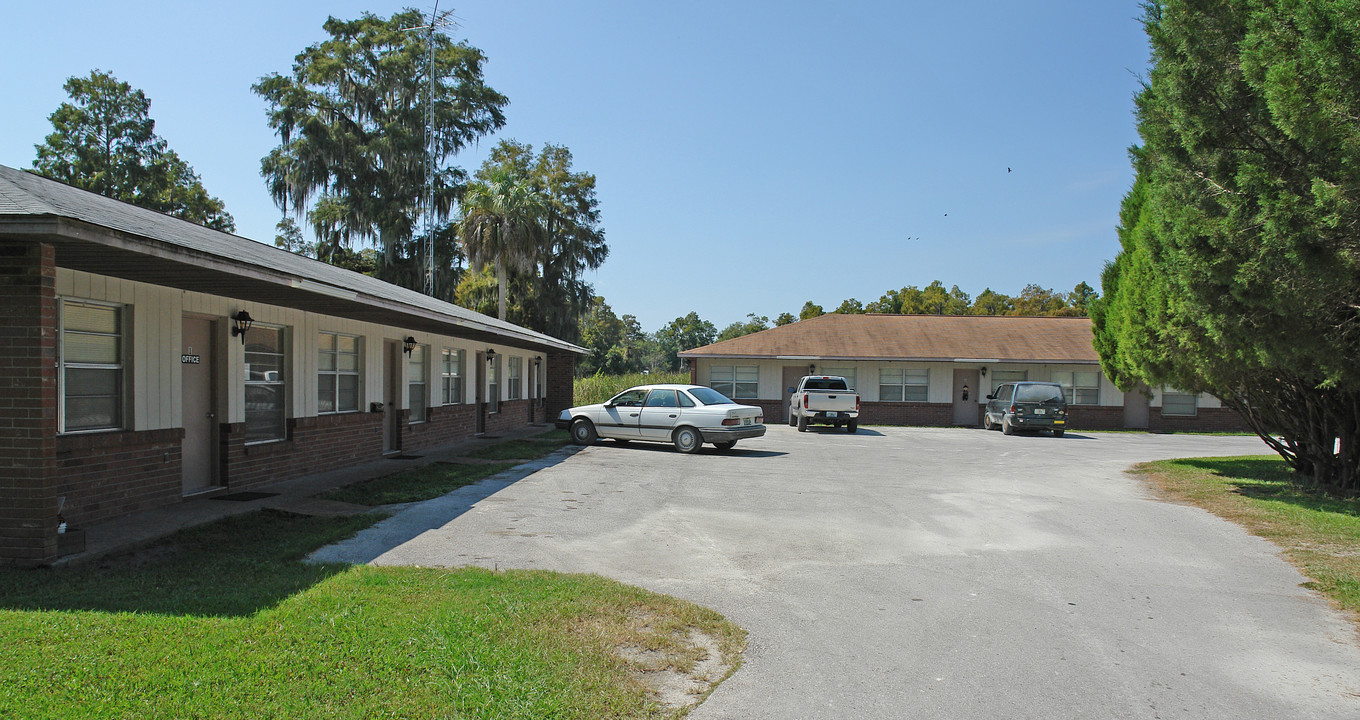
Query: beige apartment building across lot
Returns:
{"type": "Point", "coordinates": [937, 370]}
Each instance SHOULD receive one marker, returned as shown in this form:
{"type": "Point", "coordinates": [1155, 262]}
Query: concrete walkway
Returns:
{"type": "Point", "coordinates": [296, 496]}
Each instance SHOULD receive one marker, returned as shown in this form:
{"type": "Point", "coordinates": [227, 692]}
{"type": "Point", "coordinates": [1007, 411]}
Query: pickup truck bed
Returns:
{"type": "Point", "coordinates": [824, 400]}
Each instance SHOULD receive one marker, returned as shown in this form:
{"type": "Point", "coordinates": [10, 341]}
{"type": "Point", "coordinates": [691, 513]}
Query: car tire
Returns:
{"type": "Point", "coordinates": [1006, 427]}
{"type": "Point", "coordinates": [802, 423]}
{"type": "Point", "coordinates": [986, 421]}
{"type": "Point", "coordinates": [583, 431]}
{"type": "Point", "coordinates": [1059, 432]}
{"type": "Point", "coordinates": [852, 426]}
{"type": "Point", "coordinates": [725, 446]}
{"type": "Point", "coordinates": [793, 419]}
{"type": "Point", "coordinates": [687, 439]}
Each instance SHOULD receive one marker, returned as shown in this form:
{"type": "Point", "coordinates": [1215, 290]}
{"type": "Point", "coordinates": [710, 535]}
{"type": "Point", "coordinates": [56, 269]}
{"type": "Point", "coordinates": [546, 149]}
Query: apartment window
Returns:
{"type": "Point", "coordinates": [1079, 388]}
{"type": "Point", "coordinates": [91, 367]}
{"type": "Point", "coordinates": [1175, 402]}
{"type": "Point", "coordinates": [415, 384]}
{"type": "Point", "coordinates": [337, 387]}
{"type": "Point", "coordinates": [451, 372]}
{"type": "Point", "coordinates": [1000, 377]}
{"type": "Point", "coordinates": [903, 384]}
{"type": "Point", "coordinates": [493, 380]}
{"type": "Point", "coordinates": [266, 384]}
{"type": "Point", "coordinates": [513, 392]}
{"type": "Point", "coordinates": [738, 382]}
{"type": "Point", "coordinates": [847, 372]}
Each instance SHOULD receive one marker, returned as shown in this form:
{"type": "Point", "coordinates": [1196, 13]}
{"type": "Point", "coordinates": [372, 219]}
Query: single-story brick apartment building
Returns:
{"type": "Point", "coordinates": [938, 369]}
{"type": "Point", "coordinates": [145, 360]}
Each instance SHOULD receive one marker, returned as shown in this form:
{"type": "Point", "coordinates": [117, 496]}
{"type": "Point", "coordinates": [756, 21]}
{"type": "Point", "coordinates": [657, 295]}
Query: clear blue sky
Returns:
{"type": "Point", "coordinates": [755, 155]}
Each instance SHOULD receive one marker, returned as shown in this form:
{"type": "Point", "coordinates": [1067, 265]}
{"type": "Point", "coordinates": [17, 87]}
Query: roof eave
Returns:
{"type": "Point", "coordinates": [251, 282]}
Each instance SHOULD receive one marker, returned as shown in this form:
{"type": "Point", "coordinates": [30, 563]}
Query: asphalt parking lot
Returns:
{"type": "Point", "coordinates": [931, 573]}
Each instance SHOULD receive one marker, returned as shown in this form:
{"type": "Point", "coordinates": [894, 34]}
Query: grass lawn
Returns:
{"type": "Point", "coordinates": [1318, 533]}
{"type": "Point", "coordinates": [419, 483]}
{"type": "Point", "coordinates": [223, 621]}
{"type": "Point", "coordinates": [529, 448]}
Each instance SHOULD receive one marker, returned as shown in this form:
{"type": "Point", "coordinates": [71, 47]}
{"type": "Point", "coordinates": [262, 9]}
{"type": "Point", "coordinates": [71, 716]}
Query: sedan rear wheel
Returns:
{"type": "Point", "coordinates": [582, 431]}
{"type": "Point", "coordinates": [687, 439]}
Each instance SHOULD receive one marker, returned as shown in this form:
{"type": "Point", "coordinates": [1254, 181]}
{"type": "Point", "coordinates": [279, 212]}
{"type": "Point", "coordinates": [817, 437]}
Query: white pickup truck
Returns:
{"type": "Point", "coordinates": [825, 399]}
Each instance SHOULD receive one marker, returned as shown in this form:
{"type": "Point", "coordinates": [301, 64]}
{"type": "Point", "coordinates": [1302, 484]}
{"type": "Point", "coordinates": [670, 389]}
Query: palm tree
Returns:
{"type": "Point", "coordinates": [502, 223]}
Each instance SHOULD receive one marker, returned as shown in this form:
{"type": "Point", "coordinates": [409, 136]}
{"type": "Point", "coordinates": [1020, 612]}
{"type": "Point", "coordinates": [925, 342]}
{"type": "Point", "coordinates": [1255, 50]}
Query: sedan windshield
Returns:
{"type": "Point", "coordinates": [709, 396]}
{"type": "Point", "coordinates": [1038, 393]}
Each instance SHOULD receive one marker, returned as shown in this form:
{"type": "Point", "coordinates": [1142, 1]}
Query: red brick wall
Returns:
{"type": "Point", "coordinates": [314, 444]}
{"type": "Point", "coordinates": [444, 425]}
{"type": "Point", "coordinates": [513, 415]}
{"type": "Point", "coordinates": [28, 403]}
{"type": "Point", "coordinates": [558, 388]}
{"type": "Point", "coordinates": [108, 474]}
{"type": "Point", "coordinates": [1205, 420]}
{"type": "Point", "coordinates": [1095, 417]}
{"type": "Point", "coordinates": [907, 413]}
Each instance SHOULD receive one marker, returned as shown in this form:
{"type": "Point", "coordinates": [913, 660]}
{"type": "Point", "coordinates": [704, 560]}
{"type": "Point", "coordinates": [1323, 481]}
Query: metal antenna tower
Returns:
{"type": "Point", "coordinates": [438, 21]}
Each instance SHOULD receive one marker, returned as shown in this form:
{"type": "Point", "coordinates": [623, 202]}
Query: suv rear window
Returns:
{"type": "Point", "coordinates": [1038, 393]}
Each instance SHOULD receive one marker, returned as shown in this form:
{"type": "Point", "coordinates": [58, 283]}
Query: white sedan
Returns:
{"type": "Point", "coordinates": [686, 415]}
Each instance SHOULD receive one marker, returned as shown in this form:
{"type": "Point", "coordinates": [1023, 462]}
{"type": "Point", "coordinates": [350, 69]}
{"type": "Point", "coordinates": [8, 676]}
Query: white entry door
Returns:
{"type": "Point", "coordinates": [199, 452]}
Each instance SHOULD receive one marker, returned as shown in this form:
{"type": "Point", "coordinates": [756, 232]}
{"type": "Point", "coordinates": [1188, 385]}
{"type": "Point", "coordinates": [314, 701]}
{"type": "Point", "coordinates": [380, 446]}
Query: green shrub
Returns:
{"type": "Point", "coordinates": [598, 388]}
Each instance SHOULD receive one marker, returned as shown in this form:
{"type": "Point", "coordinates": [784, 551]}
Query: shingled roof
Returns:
{"type": "Point", "coordinates": [916, 337]}
{"type": "Point", "coordinates": [107, 237]}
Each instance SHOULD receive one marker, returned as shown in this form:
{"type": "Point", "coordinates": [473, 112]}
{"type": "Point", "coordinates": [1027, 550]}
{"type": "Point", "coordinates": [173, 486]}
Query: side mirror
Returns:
{"type": "Point", "coordinates": [790, 389]}
{"type": "Point", "coordinates": [991, 397]}
{"type": "Point", "coordinates": [609, 404]}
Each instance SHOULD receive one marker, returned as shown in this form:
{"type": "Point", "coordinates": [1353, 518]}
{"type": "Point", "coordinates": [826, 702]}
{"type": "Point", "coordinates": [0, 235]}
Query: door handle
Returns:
{"type": "Point", "coordinates": [674, 416]}
{"type": "Point", "coordinates": [632, 414]}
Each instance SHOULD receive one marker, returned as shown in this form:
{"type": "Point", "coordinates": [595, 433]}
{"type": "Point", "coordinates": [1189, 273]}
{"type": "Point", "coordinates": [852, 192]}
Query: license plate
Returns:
{"type": "Point", "coordinates": [831, 414]}
{"type": "Point", "coordinates": [1040, 411]}
{"type": "Point", "coordinates": [746, 421]}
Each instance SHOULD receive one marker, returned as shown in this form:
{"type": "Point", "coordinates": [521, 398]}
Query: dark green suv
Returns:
{"type": "Point", "coordinates": [1027, 406]}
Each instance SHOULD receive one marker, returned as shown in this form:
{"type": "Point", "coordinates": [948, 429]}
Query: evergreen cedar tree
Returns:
{"type": "Point", "coordinates": [1239, 268]}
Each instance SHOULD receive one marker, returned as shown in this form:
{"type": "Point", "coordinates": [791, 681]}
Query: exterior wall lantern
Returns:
{"type": "Point", "coordinates": [408, 345]}
{"type": "Point", "coordinates": [984, 372]}
{"type": "Point", "coordinates": [240, 323]}
{"type": "Point", "coordinates": [490, 355]}
{"type": "Point", "coordinates": [812, 369]}
{"type": "Point", "coordinates": [538, 360]}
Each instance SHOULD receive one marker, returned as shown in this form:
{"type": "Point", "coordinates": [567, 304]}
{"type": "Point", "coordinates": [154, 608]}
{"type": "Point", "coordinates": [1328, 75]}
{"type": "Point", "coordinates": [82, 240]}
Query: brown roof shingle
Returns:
{"type": "Point", "coordinates": [917, 337]}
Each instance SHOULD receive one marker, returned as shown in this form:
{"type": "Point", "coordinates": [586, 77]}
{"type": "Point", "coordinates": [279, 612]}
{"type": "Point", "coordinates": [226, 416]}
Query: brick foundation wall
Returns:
{"type": "Point", "coordinates": [558, 386]}
{"type": "Point", "coordinates": [444, 425]}
{"type": "Point", "coordinates": [314, 444]}
{"type": "Point", "coordinates": [513, 415]}
{"type": "Point", "coordinates": [108, 474]}
{"type": "Point", "coordinates": [907, 413]}
{"type": "Point", "coordinates": [1205, 420]}
{"type": "Point", "coordinates": [28, 403]}
{"type": "Point", "coordinates": [1095, 417]}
